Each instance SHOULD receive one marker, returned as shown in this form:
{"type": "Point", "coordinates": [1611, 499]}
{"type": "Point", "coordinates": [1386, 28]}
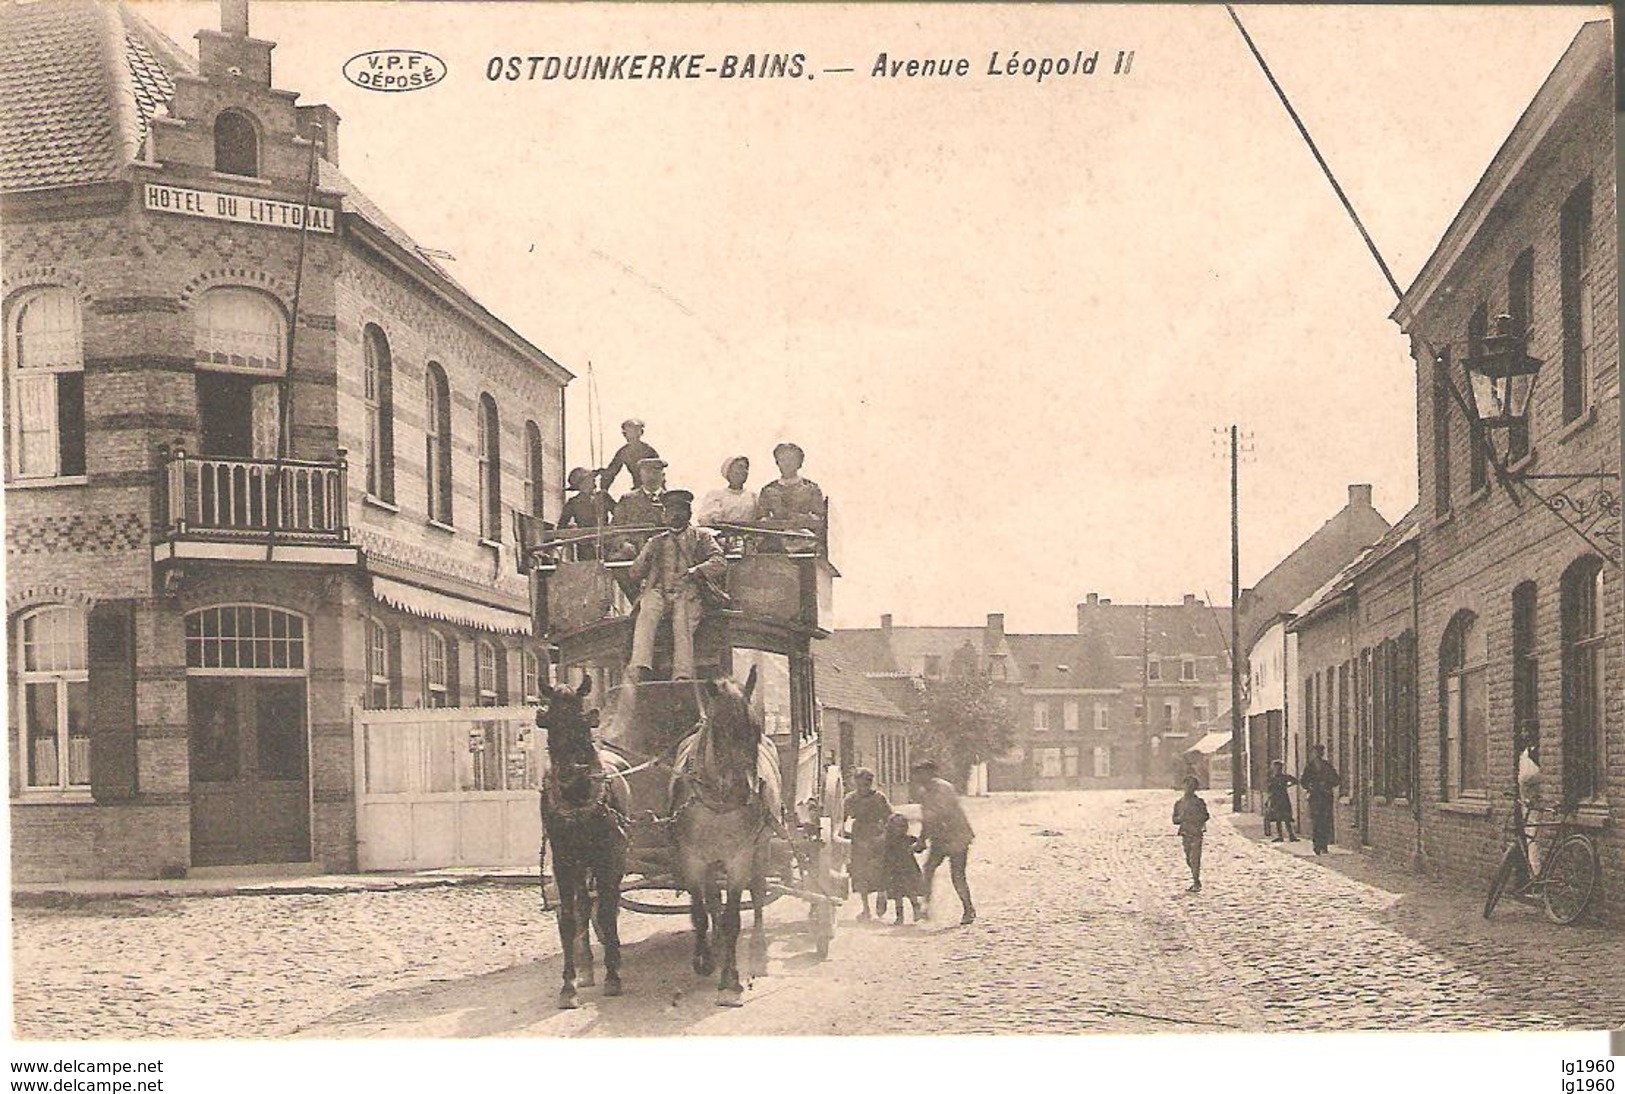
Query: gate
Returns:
{"type": "Point", "coordinates": [446, 787]}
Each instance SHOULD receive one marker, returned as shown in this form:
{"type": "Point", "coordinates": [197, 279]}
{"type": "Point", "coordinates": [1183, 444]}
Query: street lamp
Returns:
{"type": "Point", "coordinates": [1502, 376]}
{"type": "Point", "coordinates": [1501, 379]}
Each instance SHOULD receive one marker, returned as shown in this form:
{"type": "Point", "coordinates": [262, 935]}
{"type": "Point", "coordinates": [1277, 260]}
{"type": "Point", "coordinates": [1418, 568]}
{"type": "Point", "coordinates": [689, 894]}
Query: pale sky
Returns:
{"type": "Point", "coordinates": [1003, 318]}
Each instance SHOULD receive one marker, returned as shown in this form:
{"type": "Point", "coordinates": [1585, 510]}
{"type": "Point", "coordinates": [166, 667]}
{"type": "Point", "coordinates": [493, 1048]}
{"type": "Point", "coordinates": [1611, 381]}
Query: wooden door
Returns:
{"type": "Point", "coordinates": [249, 770]}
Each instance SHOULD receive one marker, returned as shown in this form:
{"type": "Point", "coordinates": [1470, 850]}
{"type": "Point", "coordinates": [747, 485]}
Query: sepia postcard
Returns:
{"type": "Point", "coordinates": [773, 522]}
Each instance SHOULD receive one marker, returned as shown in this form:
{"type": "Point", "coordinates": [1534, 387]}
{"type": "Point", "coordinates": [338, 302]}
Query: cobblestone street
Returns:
{"type": "Point", "coordinates": [1084, 926]}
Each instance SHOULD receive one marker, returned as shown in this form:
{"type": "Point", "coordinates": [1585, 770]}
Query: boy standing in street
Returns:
{"type": "Point", "coordinates": [1190, 816]}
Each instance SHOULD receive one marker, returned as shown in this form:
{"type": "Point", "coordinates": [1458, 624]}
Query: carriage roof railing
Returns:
{"type": "Point", "coordinates": [540, 543]}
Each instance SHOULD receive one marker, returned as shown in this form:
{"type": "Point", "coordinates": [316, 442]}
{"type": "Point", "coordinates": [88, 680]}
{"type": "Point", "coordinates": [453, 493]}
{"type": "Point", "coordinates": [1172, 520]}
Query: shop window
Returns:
{"type": "Point", "coordinates": [1465, 706]}
{"type": "Point", "coordinates": [47, 392]}
{"type": "Point", "coordinates": [245, 637]}
{"type": "Point", "coordinates": [236, 145]}
{"type": "Point", "coordinates": [378, 393]}
{"type": "Point", "coordinates": [437, 443]}
{"type": "Point", "coordinates": [54, 691]}
{"type": "Point", "coordinates": [489, 444]}
{"type": "Point", "coordinates": [1583, 680]}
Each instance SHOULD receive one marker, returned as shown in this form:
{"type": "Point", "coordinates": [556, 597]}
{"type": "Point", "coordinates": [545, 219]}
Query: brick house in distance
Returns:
{"type": "Point", "coordinates": [217, 555]}
{"type": "Point", "coordinates": [1519, 603]}
{"type": "Point", "coordinates": [1078, 698]}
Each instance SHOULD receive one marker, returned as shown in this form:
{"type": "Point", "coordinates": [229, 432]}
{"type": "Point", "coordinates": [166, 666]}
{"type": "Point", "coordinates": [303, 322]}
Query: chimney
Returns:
{"type": "Point", "coordinates": [234, 17]}
{"type": "Point", "coordinates": [1359, 495]}
{"type": "Point", "coordinates": [1190, 600]}
{"type": "Point", "coordinates": [995, 630]}
{"type": "Point", "coordinates": [319, 122]}
{"type": "Point", "coordinates": [885, 624]}
{"type": "Point", "coordinates": [1092, 599]}
{"type": "Point", "coordinates": [1104, 603]}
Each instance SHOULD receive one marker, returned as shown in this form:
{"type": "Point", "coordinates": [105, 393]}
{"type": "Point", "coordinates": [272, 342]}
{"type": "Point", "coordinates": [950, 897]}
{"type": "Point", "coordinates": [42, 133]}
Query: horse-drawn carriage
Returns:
{"type": "Point", "coordinates": [656, 734]}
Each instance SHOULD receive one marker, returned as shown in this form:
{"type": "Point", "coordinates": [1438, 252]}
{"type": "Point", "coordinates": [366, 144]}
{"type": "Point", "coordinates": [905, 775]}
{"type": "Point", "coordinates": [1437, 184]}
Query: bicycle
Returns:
{"type": "Point", "coordinates": [1569, 873]}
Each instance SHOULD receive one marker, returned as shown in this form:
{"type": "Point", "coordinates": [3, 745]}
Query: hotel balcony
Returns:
{"type": "Point", "coordinates": [254, 510]}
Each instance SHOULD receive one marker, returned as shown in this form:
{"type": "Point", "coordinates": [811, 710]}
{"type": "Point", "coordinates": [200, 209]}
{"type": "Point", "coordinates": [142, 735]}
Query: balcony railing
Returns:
{"type": "Point", "coordinates": [297, 500]}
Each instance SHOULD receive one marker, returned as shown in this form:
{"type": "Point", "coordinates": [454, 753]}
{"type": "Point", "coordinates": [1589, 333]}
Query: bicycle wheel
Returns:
{"type": "Point", "coordinates": [1503, 874]}
{"type": "Point", "coordinates": [1570, 879]}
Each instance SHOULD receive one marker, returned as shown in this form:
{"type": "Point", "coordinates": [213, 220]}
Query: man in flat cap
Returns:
{"type": "Point", "coordinates": [791, 501]}
{"type": "Point", "coordinates": [670, 568]}
{"type": "Point", "coordinates": [629, 455]}
{"type": "Point", "coordinates": [590, 508]}
{"type": "Point", "coordinates": [641, 508]}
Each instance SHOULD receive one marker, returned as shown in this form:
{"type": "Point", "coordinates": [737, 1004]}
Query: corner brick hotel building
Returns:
{"type": "Point", "coordinates": [261, 451]}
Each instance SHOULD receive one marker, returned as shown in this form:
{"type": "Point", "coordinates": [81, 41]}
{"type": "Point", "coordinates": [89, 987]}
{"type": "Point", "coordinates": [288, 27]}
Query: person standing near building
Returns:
{"type": "Point", "coordinates": [629, 455]}
{"type": "Point", "coordinates": [866, 810]}
{"type": "Point", "coordinates": [1278, 807]}
{"type": "Point", "coordinates": [1191, 817]}
{"type": "Point", "coordinates": [947, 832]}
{"type": "Point", "coordinates": [1321, 779]}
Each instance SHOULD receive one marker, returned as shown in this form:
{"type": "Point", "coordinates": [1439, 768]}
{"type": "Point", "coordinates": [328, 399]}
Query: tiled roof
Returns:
{"type": "Point", "coordinates": [1306, 568]}
{"type": "Point", "coordinates": [80, 80]}
{"type": "Point", "coordinates": [1163, 630]}
{"type": "Point", "coordinates": [1060, 661]}
{"type": "Point", "coordinates": [841, 686]}
{"type": "Point", "coordinates": [1034, 660]}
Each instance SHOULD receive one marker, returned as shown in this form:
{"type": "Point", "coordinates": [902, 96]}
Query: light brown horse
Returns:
{"type": "Point", "coordinates": [723, 792]}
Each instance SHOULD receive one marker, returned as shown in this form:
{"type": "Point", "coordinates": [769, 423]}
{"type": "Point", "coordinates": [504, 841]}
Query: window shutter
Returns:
{"type": "Point", "coordinates": [393, 639]}
{"type": "Point", "coordinates": [111, 657]}
{"type": "Point", "coordinates": [503, 656]}
{"type": "Point", "coordinates": [454, 674]}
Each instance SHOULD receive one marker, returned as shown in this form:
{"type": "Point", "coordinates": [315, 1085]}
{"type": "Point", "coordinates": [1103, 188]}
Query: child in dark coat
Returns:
{"type": "Point", "coordinates": [900, 868]}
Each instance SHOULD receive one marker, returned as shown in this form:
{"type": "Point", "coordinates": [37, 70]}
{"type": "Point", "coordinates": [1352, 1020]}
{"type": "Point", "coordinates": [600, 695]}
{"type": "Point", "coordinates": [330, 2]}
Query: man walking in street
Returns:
{"type": "Point", "coordinates": [1190, 817]}
{"type": "Point", "coordinates": [947, 831]}
{"type": "Point", "coordinates": [1321, 779]}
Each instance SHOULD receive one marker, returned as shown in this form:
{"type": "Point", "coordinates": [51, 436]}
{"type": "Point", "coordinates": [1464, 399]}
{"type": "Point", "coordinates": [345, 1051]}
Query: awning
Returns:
{"type": "Point", "coordinates": [1210, 744]}
{"type": "Point", "coordinates": [448, 609]}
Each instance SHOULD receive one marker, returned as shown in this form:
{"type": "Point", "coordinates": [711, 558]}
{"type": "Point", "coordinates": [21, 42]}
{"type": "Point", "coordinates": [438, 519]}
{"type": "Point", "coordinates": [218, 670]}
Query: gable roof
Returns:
{"type": "Point", "coordinates": [842, 686]}
{"type": "Point", "coordinates": [79, 81]}
{"type": "Point", "coordinates": [1164, 630]}
{"type": "Point", "coordinates": [1590, 51]}
{"type": "Point", "coordinates": [1342, 583]}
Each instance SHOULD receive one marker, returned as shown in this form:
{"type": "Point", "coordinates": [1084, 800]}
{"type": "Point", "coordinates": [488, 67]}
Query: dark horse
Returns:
{"type": "Point", "coordinates": [584, 806]}
{"type": "Point", "coordinates": [724, 790]}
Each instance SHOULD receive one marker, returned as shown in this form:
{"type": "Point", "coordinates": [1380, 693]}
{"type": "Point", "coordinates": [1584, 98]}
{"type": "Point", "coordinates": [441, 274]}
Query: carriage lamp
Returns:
{"type": "Point", "coordinates": [1502, 376]}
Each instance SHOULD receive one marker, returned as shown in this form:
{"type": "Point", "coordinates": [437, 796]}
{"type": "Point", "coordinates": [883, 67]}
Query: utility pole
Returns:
{"type": "Point", "coordinates": [1146, 751]}
{"type": "Point", "coordinates": [1235, 638]}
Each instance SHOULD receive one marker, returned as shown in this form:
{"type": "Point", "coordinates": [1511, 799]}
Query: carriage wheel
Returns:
{"type": "Point", "coordinates": [667, 902]}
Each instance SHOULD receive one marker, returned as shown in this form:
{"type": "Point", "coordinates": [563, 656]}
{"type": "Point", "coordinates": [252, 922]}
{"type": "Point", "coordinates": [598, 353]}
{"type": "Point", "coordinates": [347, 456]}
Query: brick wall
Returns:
{"type": "Point", "coordinates": [1472, 557]}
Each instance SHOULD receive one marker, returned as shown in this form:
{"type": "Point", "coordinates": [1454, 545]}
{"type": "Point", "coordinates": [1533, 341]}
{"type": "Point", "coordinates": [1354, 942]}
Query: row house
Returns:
{"type": "Point", "coordinates": [261, 454]}
{"type": "Point", "coordinates": [1518, 595]}
{"type": "Point", "coordinates": [1267, 609]}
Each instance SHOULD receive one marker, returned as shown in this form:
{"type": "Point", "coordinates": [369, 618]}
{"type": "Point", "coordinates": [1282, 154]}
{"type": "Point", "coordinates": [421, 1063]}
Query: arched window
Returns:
{"type": "Point", "coordinates": [440, 670]}
{"type": "Point", "coordinates": [437, 443]}
{"type": "Point", "coordinates": [245, 638]}
{"type": "Point", "coordinates": [1464, 704]}
{"type": "Point", "coordinates": [47, 385]}
{"type": "Point", "coordinates": [530, 668]}
{"type": "Point", "coordinates": [490, 452]}
{"type": "Point", "coordinates": [236, 144]}
{"type": "Point", "coordinates": [239, 330]}
{"type": "Point", "coordinates": [486, 691]}
{"type": "Point", "coordinates": [378, 393]}
{"type": "Point", "coordinates": [534, 482]}
{"type": "Point", "coordinates": [1583, 682]}
{"type": "Point", "coordinates": [54, 683]}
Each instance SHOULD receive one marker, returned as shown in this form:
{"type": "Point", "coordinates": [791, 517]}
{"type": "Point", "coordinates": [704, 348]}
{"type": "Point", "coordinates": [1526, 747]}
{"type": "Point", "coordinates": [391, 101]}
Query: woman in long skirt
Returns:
{"type": "Point", "coordinates": [866, 811]}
